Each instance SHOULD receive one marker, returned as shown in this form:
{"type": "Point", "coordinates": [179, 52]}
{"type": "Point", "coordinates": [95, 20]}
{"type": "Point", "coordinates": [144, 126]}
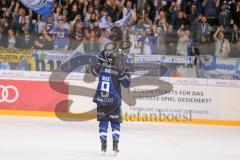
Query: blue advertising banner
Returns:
{"type": "Point", "coordinates": [177, 66]}
{"type": "Point", "coordinates": [218, 68]}
{"type": "Point", "coordinates": [49, 60]}
{"type": "Point", "coordinates": [45, 60]}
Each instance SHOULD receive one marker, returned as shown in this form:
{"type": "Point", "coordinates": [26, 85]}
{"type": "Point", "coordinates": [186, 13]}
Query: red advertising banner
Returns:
{"type": "Point", "coordinates": [29, 95]}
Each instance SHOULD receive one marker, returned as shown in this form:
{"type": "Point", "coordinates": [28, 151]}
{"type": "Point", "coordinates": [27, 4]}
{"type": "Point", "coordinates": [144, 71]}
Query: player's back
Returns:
{"type": "Point", "coordinates": [109, 86]}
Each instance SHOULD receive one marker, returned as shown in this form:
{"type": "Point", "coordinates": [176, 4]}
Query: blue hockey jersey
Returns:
{"type": "Point", "coordinates": [108, 92]}
{"type": "Point", "coordinates": [61, 39]}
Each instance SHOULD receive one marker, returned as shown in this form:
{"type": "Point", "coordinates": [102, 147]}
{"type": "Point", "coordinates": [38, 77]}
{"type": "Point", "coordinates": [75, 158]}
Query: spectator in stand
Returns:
{"type": "Point", "coordinates": [43, 40]}
{"type": "Point", "coordinates": [50, 24]}
{"type": "Point", "coordinates": [108, 6]}
{"type": "Point", "coordinates": [155, 6]}
{"type": "Point", "coordinates": [234, 39]}
{"type": "Point", "coordinates": [73, 11]}
{"type": "Point", "coordinates": [193, 15]}
{"type": "Point", "coordinates": [236, 14]}
{"type": "Point", "coordinates": [20, 13]}
{"type": "Point", "coordinates": [211, 10]}
{"type": "Point", "coordinates": [66, 25]}
{"type": "Point", "coordinates": [21, 17]}
{"type": "Point", "coordinates": [91, 44]}
{"type": "Point", "coordinates": [88, 10]}
{"type": "Point", "coordinates": [60, 36]}
{"type": "Point", "coordinates": [180, 20]}
{"type": "Point", "coordinates": [2, 37]}
{"type": "Point", "coordinates": [129, 8]}
{"type": "Point", "coordinates": [190, 49]}
{"type": "Point", "coordinates": [8, 16]}
{"type": "Point", "coordinates": [11, 43]}
{"type": "Point", "coordinates": [202, 28]}
{"type": "Point", "coordinates": [77, 36]}
{"type": "Point", "coordinates": [171, 39]}
{"type": "Point", "coordinates": [93, 22]}
{"type": "Point", "coordinates": [76, 20]}
{"type": "Point", "coordinates": [4, 6]}
{"type": "Point", "coordinates": [146, 19]}
{"type": "Point", "coordinates": [133, 36]}
{"type": "Point", "coordinates": [186, 6]}
{"type": "Point", "coordinates": [141, 26]}
{"type": "Point", "coordinates": [147, 42]}
{"type": "Point", "coordinates": [3, 34]}
{"type": "Point", "coordinates": [160, 29]}
{"type": "Point", "coordinates": [115, 13]}
{"type": "Point", "coordinates": [25, 39]}
{"type": "Point", "coordinates": [57, 13]}
{"type": "Point", "coordinates": [161, 21]}
{"type": "Point", "coordinates": [104, 39]}
{"type": "Point", "coordinates": [203, 16]}
{"type": "Point", "coordinates": [205, 47]}
{"type": "Point", "coordinates": [173, 12]}
{"type": "Point", "coordinates": [97, 7]}
{"type": "Point", "coordinates": [222, 45]}
{"type": "Point", "coordinates": [141, 4]}
{"type": "Point", "coordinates": [183, 40]}
{"type": "Point", "coordinates": [64, 6]}
{"type": "Point", "coordinates": [224, 18]}
{"type": "Point", "coordinates": [6, 10]}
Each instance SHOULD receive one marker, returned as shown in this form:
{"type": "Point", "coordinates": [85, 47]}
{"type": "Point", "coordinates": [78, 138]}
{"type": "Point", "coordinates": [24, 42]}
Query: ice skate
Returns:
{"type": "Point", "coordinates": [104, 147]}
{"type": "Point", "coordinates": [115, 147]}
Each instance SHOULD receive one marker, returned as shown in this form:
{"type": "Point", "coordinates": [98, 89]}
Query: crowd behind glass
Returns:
{"type": "Point", "coordinates": [170, 27]}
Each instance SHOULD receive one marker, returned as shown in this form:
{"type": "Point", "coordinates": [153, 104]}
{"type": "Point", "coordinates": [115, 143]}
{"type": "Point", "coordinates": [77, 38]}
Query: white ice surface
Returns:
{"type": "Point", "coordinates": [31, 138]}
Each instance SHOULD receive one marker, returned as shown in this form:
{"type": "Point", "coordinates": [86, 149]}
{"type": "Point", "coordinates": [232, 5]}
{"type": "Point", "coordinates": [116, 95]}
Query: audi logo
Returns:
{"type": "Point", "coordinates": [5, 94]}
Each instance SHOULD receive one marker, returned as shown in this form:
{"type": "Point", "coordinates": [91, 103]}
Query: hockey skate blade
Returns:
{"type": "Point", "coordinates": [115, 153]}
{"type": "Point", "coordinates": [103, 153]}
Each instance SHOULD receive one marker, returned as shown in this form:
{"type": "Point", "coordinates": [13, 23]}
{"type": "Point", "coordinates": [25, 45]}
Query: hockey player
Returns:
{"type": "Point", "coordinates": [108, 97]}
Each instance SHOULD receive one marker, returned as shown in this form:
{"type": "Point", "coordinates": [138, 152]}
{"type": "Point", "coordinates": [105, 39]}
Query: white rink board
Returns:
{"type": "Point", "coordinates": [209, 102]}
{"type": "Point", "coordinates": [219, 98]}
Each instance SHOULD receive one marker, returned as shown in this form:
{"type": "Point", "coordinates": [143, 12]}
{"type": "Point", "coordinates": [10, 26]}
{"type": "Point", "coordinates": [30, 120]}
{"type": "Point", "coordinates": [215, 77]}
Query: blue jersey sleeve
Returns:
{"type": "Point", "coordinates": [125, 80]}
{"type": "Point", "coordinates": [96, 69]}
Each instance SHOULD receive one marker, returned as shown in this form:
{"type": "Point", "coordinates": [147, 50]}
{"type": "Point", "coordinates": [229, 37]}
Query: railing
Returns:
{"type": "Point", "coordinates": [176, 66]}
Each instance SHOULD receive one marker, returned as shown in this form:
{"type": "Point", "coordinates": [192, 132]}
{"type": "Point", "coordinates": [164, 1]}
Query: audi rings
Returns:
{"type": "Point", "coordinates": [5, 94]}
